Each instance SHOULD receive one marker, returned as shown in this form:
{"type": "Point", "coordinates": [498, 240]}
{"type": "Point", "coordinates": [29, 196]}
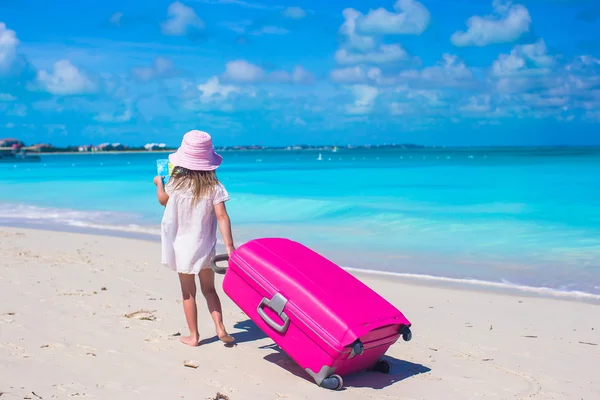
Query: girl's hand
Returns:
{"type": "Point", "coordinates": [230, 249]}
{"type": "Point", "coordinates": [158, 181]}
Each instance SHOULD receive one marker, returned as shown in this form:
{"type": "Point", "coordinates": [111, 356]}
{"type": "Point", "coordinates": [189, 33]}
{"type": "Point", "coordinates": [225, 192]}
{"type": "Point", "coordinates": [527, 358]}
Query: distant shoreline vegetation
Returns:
{"type": "Point", "coordinates": [75, 150]}
{"type": "Point", "coordinates": [163, 148]}
{"type": "Point", "coordinates": [120, 148]}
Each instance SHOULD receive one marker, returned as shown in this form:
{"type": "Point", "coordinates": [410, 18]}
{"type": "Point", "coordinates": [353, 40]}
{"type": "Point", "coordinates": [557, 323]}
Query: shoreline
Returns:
{"type": "Point", "coordinates": [431, 281]}
{"type": "Point", "coordinates": [328, 148]}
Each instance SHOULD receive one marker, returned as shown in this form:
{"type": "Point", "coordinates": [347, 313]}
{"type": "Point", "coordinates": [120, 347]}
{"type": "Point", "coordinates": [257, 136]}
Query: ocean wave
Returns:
{"type": "Point", "coordinates": [573, 294]}
{"type": "Point", "coordinates": [132, 228]}
{"type": "Point", "coordinates": [105, 220]}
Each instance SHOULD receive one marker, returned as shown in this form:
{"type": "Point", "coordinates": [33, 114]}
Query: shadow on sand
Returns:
{"type": "Point", "coordinates": [401, 370]}
{"type": "Point", "coordinates": [248, 332]}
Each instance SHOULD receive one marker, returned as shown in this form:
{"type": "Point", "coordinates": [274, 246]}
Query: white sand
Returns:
{"type": "Point", "coordinates": [63, 336]}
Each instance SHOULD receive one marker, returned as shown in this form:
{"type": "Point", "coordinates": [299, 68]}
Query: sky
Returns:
{"type": "Point", "coordinates": [268, 72]}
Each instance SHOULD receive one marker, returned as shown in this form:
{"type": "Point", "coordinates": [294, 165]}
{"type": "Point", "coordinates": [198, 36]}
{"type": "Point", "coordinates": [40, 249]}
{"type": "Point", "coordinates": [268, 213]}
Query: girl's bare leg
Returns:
{"type": "Point", "coordinates": [207, 285]}
{"type": "Point", "coordinates": [188, 291]}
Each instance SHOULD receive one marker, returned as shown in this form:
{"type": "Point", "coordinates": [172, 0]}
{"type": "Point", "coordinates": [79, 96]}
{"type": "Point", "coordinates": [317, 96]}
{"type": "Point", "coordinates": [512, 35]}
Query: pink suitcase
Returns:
{"type": "Point", "coordinates": [324, 318]}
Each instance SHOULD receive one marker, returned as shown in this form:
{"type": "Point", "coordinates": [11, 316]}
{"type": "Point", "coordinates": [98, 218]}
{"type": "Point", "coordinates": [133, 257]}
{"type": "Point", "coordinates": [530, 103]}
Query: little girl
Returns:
{"type": "Point", "coordinates": [194, 201]}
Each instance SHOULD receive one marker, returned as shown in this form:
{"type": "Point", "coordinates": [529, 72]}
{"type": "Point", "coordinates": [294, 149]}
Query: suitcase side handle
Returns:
{"type": "Point", "coordinates": [277, 304]}
{"type": "Point", "coordinates": [215, 260]}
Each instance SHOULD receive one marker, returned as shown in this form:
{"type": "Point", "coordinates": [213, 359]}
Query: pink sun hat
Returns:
{"type": "Point", "coordinates": [196, 153]}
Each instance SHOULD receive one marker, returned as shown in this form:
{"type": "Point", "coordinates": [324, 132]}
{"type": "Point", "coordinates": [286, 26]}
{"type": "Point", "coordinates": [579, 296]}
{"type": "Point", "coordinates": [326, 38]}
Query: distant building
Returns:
{"type": "Point", "coordinates": [154, 146]}
{"type": "Point", "coordinates": [41, 146]}
{"type": "Point", "coordinates": [10, 142]}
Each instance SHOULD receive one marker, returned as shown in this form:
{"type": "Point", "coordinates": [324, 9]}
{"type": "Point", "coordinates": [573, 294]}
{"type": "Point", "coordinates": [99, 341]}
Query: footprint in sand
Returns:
{"type": "Point", "coordinates": [143, 315]}
{"type": "Point", "coordinates": [13, 349]}
{"type": "Point", "coordinates": [73, 390]}
{"type": "Point", "coordinates": [79, 293]}
{"type": "Point", "coordinates": [51, 346]}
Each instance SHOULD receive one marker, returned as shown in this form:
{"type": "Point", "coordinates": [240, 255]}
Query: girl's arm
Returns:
{"type": "Point", "coordinates": [163, 197]}
{"type": "Point", "coordinates": [225, 226]}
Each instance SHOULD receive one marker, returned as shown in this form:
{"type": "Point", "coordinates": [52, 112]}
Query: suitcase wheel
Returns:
{"type": "Point", "coordinates": [383, 366]}
{"type": "Point", "coordinates": [334, 382]}
{"type": "Point", "coordinates": [406, 334]}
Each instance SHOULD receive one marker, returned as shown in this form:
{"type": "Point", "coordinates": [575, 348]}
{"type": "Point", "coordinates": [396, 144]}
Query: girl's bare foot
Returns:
{"type": "Point", "coordinates": [225, 337]}
{"type": "Point", "coordinates": [190, 340]}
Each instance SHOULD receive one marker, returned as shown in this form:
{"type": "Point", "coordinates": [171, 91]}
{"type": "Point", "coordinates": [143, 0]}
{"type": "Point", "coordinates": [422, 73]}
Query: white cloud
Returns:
{"type": "Point", "coordinates": [238, 27]}
{"type": "Point", "coordinates": [506, 25]}
{"type": "Point", "coordinates": [181, 19]}
{"type": "Point", "coordinates": [478, 104]}
{"type": "Point", "coordinates": [527, 67]}
{"type": "Point", "coordinates": [585, 63]}
{"type": "Point", "coordinates": [364, 99]}
{"type": "Point", "coordinates": [348, 29]}
{"type": "Point", "coordinates": [244, 27]}
{"type": "Point", "coordinates": [66, 79]}
{"type": "Point", "coordinates": [529, 59]}
{"type": "Point", "coordinates": [415, 103]}
{"type": "Point", "coordinates": [243, 71]}
{"type": "Point", "coordinates": [538, 53]}
{"type": "Point", "coordinates": [450, 72]}
{"type": "Point", "coordinates": [432, 98]}
{"type": "Point", "coordinates": [161, 68]}
{"type": "Point", "coordinates": [349, 75]}
{"type": "Point", "coordinates": [8, 47]}
{"type": "Point", "coordinates": [294, 13]}
{"type": "Point", "coordinates": [116, 18]}
{"type": "Point", "coordinates": [241, 3]}
{"type": "Point", "coordinates": [357, 74]}
{"type": "Point", "coordinates": [386, 53]}
{"type": "Point", "coordinates": [270, 30]}
{"type": "Point", "coordinates": [299, 75]}
{"type": "Point", "coordinates": [540, 101]}
{"type": "Point", "coordinates": [215, 95]}
{"type": "Point", "coordinates": [411, 18]}
{"type": "Point", "coordinates": [213, 90]}
{"type": "Point", "coordinates": [364, 49]}
{"type": "Point", "coordinates": [7, 97]}
{"type": "Point", "coordinates": [583, 75]}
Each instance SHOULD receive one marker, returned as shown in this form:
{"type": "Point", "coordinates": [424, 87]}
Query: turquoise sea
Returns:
{"type": "Point", "coordinates": [522, 217]}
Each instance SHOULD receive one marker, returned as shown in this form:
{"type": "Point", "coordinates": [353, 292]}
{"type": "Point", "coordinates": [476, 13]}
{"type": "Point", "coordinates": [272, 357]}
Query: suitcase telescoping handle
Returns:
{"type": "Point", "coordinates": [215, 260]}
{"type": "Point", "coordinates": [277, 304]}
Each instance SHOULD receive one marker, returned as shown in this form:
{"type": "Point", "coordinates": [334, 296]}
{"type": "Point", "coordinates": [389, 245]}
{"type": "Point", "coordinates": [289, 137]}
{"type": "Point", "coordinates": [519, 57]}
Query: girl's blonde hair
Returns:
{"type": "Point", "coordinates": [201, 183]}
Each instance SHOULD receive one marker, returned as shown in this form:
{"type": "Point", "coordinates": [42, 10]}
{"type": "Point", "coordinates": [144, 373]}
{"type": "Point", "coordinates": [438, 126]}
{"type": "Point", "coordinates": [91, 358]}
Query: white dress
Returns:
{"type": "Point", "coordinates": [188, 231]}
